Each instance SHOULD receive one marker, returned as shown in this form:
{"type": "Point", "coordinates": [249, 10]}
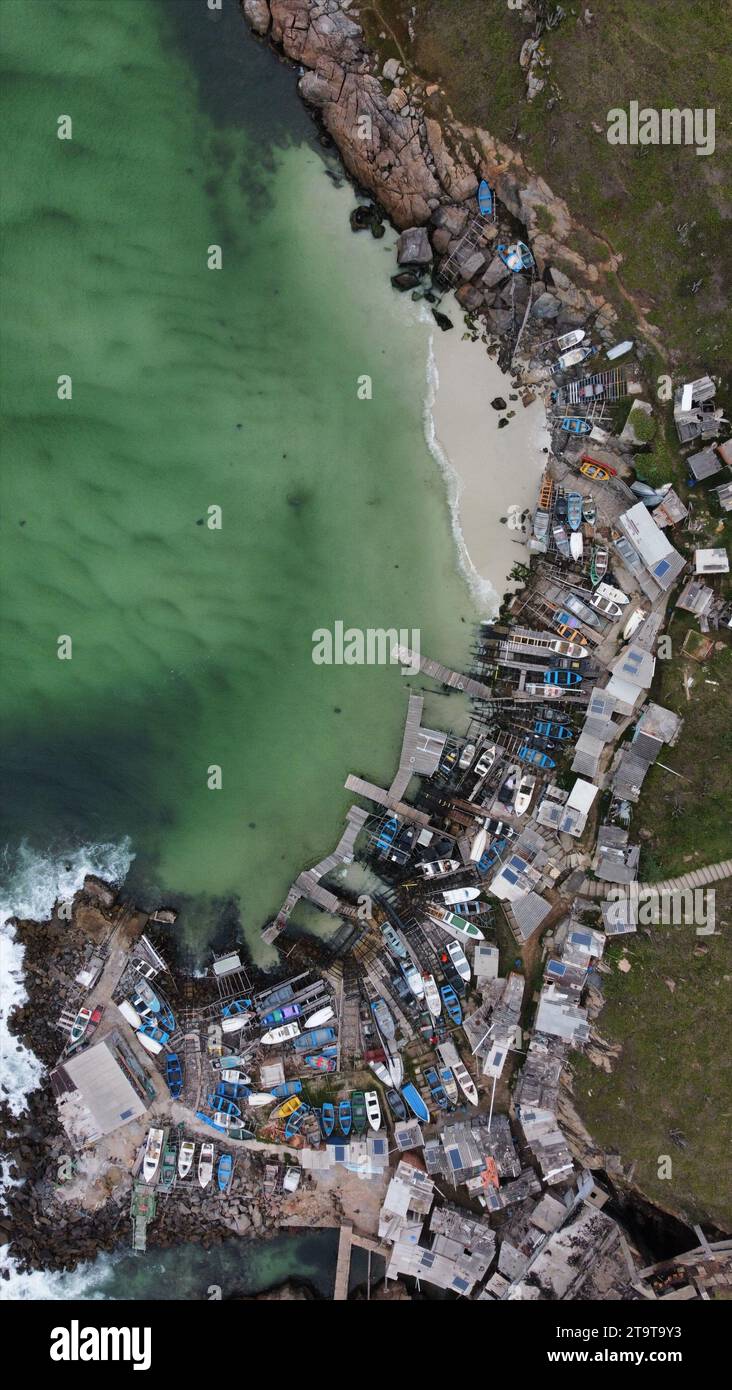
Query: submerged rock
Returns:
{"type": "Point", "coordinates": [406, 280]}
{"type": "Point", "coordinates": [442, 320]}
{"type": "Point", "coordinates": [413, 247]}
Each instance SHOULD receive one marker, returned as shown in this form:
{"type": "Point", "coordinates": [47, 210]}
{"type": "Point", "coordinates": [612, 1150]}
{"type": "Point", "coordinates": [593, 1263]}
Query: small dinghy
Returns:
{"type": "Point", "coordinates": [224, 1172]}
{"type": "Point", "coordinates": [234, 1077]}
{"type": "Point", "coordinates": [589, 510]}
{"type": "Point", "coordinates": [79, 1026]}
{"type": "Point", "coordinates": [605, 607]}
{"type": "Point", "coordinates": [383, 1019]}
{"type": "Point", "coordinates": [517, 256]}
{"type": "Point", "coordinates": [416, 1104]}
{"type": "Point", "coordinates": [634, 622]}
{"type": "Point", "coordinates": [574, 510]}
{"type": "Point", "coordinates": [452, 1003]}
{"type": "Point", "coordinates": [280, 1035]}
{"type": "Point", "coordinates": [380, 1072]}
{"type": "Point", "coordinates": [318, 1019]}
{"type": "Point", "coordinates": [315, 1039]}
{"type": "Point", "coordinates": [576, 545]}
{"type": "Point", "coordinates": [414, 980]}
{"type": "Point", "coordinates": [327, 1118]}
{"type": "Point", "coordinates": [373, 1109]}
{"type": "Point", "coordinates": [561, 541]}
{"type": "Point", "coordinates": [598, 564]}
{"type": "Point", "coordinates": [572, 359]}
{"type": "Point", "coordinates": [153, 1150]}
{"type": "Point", "coordinates": [449, 1084]}
{"type": "Point", "coordinates": [393, 942]}
{"type": "Point", "coordinates": [460, 895]}
{"type": "Point", "coordinates": [206, 1164]}
{"type": "Point", "coordinates": [576, 424]}
{"type": "Point", "coordinates": [396, 1105]}
{"type": "Point", "coordinates": [570, 340]}
{"type": "Point", "coordinates": [465, 1082]}
{"type": "Point", "coordinates": [486, 200]}
{"type": "Point", "coordinates": [223, 1106]}
{"type": "Point", "coordinates": [345, 1117]}
{"type": "Point", "coordinates": [524, 795]}
{"type": "Point", "coordinates": [185, 1157]}
{"type": "Point", "coordinates": [431, 994]}
{"type": "Point", "coordinates": [173, 1075]}
{"type": "Point", "coordinates": [296, 1119]}
{"type": "Point", "coordinates": [359, 1117]}
{"type": "Point", "coordinates": [619, 349]}
{"type": "Point", "coordinates": [396, 1069]}
{"type": "Point", "coordinates": [316, 1061]}
{"type": "Point", "coordinates": [614, 595]}
{"type": "Point", "coordinates": [283, 1015]}
{"type": "Point", "coordinates": [259, 1098]}
{"type": "Point", "coordinates": [287, 1108]}
{"type": "Point", "coordinates": [437, 1090]}
{"type": "Point", "coordinates": [459, 960]}
{"type": "Point", "coordinates": [286, 1088]}
{"type": "Point", "coordinates": [535, 756]}
{"type": "Point", "coordinates": [466, 757]}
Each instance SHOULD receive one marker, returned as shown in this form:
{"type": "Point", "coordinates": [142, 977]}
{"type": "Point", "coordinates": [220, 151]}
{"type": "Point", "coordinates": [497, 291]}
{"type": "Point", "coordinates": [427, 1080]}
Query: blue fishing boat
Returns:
{"type": "Point", "coordinates": [415, 1103]}
{"type": "Point", "coordinates": [574, 510]}
{"type": "Point", "coordinates": [562, 678]}
{"type": "Point", "coordinates": [224, 1172]}
{"type": "Point", "coordinates": [318, 1062]}
{"type": "Point", "coordinates": [327, 1119]}
{"type": "Point", "coordinates": [286, 1088]}
{"type": "Point", "coordinates": [491, 856]}
{"type": "Point", "coordinates": [232, 1090]}
{"type": "Point", "coordinates": [535, 756]}
{"type": "Point", "coordinates": [234, 1007]}
{"type": "Point", "coordinates": [345, 1117]}
{"type": "Point", "coordinates": [396, 1105]}
{"type": "Point", "coordinates": [437, 1090]}
{"type": "Point", "coordinates": [575, 424]}
{"type": "Point", "coordinates": [314, 1039]}
{"type": "Point", "coordinates": [283, 1015]}
{"type": "Point", "coordinates": [295, 1120]}
{"type": "Point", "coordinates": [517, 256]}
{"type": "Point", "coordinates": [548, 729]}
{"type": "Point", "coordinates": [452, 1003]}
{"type": "Point", "coordinates": [173, 1074]}
{"type": "Point", "coordinates": [223, 1105]}
{"type": "Point", "coordinates": [387, 834]}
{"type": "Point", "coordinates": [486, 200]}
{"type": "Point", "coordinates": [393, 942]}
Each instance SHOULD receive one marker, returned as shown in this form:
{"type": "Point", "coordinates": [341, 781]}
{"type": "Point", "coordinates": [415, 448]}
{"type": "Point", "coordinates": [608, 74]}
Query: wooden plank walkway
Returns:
{"type": "Point", "coordinates": [343, 1267]}
{"type": "Point", "coordinates": [307, 884]}
{"type": "Point", "coordinates": [695, 878]}
{"type": "Point", "coordinates": [412, 727]}
{"type": "Point", "coordinates": [371, 792]}
{"type": "Point", "coordinates": [454, 679]}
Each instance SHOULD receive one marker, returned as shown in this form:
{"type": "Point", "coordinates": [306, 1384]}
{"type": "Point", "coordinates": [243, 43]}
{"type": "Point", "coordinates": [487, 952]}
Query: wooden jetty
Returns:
{"type": "Point", "coordinates": [421, 750]}
{"type": "Point", "coordinates": [455, 680]}
{"type": "Point", "coordinates": [307, 884]}
{"type": "Point", "coordinates": [348, 1238]}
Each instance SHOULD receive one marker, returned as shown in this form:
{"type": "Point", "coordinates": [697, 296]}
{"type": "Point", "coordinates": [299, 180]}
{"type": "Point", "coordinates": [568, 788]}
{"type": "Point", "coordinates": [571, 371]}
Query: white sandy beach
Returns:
{"type": "Point", "coordinates": [490, 472]}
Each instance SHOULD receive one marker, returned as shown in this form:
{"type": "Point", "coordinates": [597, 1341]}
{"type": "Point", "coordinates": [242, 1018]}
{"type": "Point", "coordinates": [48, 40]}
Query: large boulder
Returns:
{"type": "Point", "coordinates": [441, 240]}
{"type": "Point", "coordinates": [256, 13]}
{"type": "Point", "coordinates": [413, 247]}
{"type": "Point", "coordinates": [495, 273]}
{"type": "Point", "coordinates": [499, 320]}
{"type": "Point", "coordinates": [469, 297]}
{"type": "Point", "coordinates": [450, 216]}
{"type": "Point", "coordinates": [547, 306]}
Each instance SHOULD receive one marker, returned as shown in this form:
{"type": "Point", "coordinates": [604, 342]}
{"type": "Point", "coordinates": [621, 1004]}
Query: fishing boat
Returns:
{"type": "Point", "coordinates": [605, 607]}
{"type": "Point", "coordinates": [560, 505]}
{"type": "Point", "coordinates": [169, 1168]}
{"type": "Point", "coordinates": [465, 1082]}
{"type": "Point", "coordinates": [508, 786]}
{"type": "Point", "coordinates": [598, 563]}
{"type": "Point", "coordinates": [452, 1003]}
{"type": "Point", "coordinates": [380, 1072]}
{"type": "Point", "coordinates": [288, 1107]}
{"type": "Point", "coordinates": [153, 1150]}
{"type": "Point", "coordinates": [572, 358]}
{"type": "Point", "coordinates": [206, 1164]}
{"type": "Point", "coordinates": [223, 1106]}
{"type": "Point", "coordinates": [359, 1117]}
{"type": "Point", "coordinates": [478, 845]}
{"type": "Point", "coordinates": [396, 1068]}
{"type": "Point", "coordinates": [438, 868]}
{"type": "Point", "coordinates": [224, 1172]}
{"type": "Point", "coordinates": [393, 941]}
{"type": "Point", "coordinates": [459, 960]}
{"type": "Point", "coordinates": [327, 1118]}
{"type": "Point", "coordinates": [286, 1088]}
{"type": "Point", "coordinates": [259, 1098]}
{"type": "Point", "coordinates": [234, 1077]}
{"type": "Point", "coordinates": [437, 1090]}
{"type": "Point", "coordinates": [145, 994]}
{"type": "Point", "coordinates": [231, 1091]}
{"type": "Point", "coordinates": [153, 1039]}
{"type": "Point", "coordinates": [383, 1019]}
{"type": "Point", "coordinates": [619, 349]}
{"type": "Point", "coordinates": [589, 510]}
{"type": "Point", "coordinates": [449, 1085]}
{"type": "Point", "coordinates": [592, 468]}
{"type": "Point", "coordinates": [322, 1016]}
{"type": "Point", "coordinates": [455, 926]}
{"type": "Point", "coordinates": [561, 541]}
{"type": "Point", "coordinates": [185, 1157]}
{"type": "Point", "coordinates": [317, 1061]}
{"type": "Point", "coordinates": [541, 524]}
{"type": "Point", "coordinates": [79, 1026]}
{"type": "Point", "coordinates": [416, 1104]}
{"type": "Point", "coordinates": [315, 1039]}
{"type": "Point", "coordinates": [574, 510]}
{"type": "Point", "coordinates": [486, 200]}
{"type": "Point", "coordinates": [517, 256]}
{"type": "Point", "coordinates": [296, 1119]}
{"type": "Point", "coordinates": [414, 980]}
{"type": "Point", "coordinates": [173, 1074]}
{"type": "Point", "coordinates": [431, 994]}
{"type": "Point", "coordinates": [576, 545]}
{"type": "Point", "coordinates": [562, 678]}
{"type": "Point", "coordinates": [236, 1008]}
{"type": "Point", "coordinates": [614, 595]}
{"type": "Point", "coordinates": [460, 895]}
{"type": "Point", "coordinates": [634, 622]}
{"type": "Point", "coordinates": [535, 756]}
{"type": "Point", "coordinates": [387, 834]}
{"type": "Point", "coordinates": [524, 795]}
{"type": "Point", "coordinates": [576, 424]}
{"type": "Point", "coordinates": [547, 729]}
{"type": "Point", "coordinates": [396, 1105]}
{"type": "Point", "coordinates": [345, 1117]}
{"type": "Point", "coordinates": [466, 757]}
{"type": "Point", "coordinates": [166, 1019]}
{"type": "Point", "coordinates": [283, 1015]}
{"type": "Point", "coordinates": [284, 1033]}
{"type": "Point", "coordinates": [570, 340]}
{"type": "Point", "coordinates": [373, 1109]}
{"type": "Point", "coordinates": [562, 647]}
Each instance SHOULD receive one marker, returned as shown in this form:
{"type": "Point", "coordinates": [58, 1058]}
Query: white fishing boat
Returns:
{"type": "Point", "coordinates": [466, 757]}
{"type": "Point", "coordinates": [459, 960]}
{"type": "Point", "coordinates": [238, 1078]}
{"type": "Point", "coordinates": [438, 868]}
{"type": "Point", "coordinates": [449, 1084]}
{"type": "Point", "coordinates": [206, 1163]}
{"type": "Point", "coordinates": [79, 1026]}
{"type": "Point", "coordinates": [605, 607]}
{"type": "Point", "coordinates": [549, 692]}
{"type": "Point", "coordinates": [574, 650]}
{"type": "Point", "coordinates": [129, 1012]}
{"type": "Point", "coordinates": [619, 349]}
{"type": "Point", "coordinates": [317, 1020]}
{"type": "Point", "coordinates": [373, 1109]}
{"type": "Point", "coordinates": [634, 622]}
{"type": "Point", "coordinates": [614, 595]}
{"type": "Point", "coordinates": [414, 980]}
{"type": "Point", "coordinates": [431, 994]}
{"type": "Point", "coordinates": [572, 358]}
{"type": "Point", "coordinates": [524, 795]}
{"type": "Point", "coordinates": [460, 895]}
{"type": "Point", "coordinates": [396, 1069]}
{"type": "Point", "coordinates": [381, 1073]}
{"type": "Point", "coordinates": [153, 1150]}
{"type": "Point", "coordinates": [225, 1122]}
{"type": "Point", "coordinates": [234, 1024]}
{"type": "Point", "coordinates": [570, 340]}
{"type": "Point", "coordinates": [185, 1157]}
{"type": "Point", "coordinates": [150, 1044]}
{"type": "Point", "coordinates": [576, 545]}
{"type": "Point", "coordinates": [383, 1019]}
{"type": "Point", "coordinates": [465, 1082]}
{"type": "Point", "coordinates": [284, 1033]}
{"type": "Point", "coordinates": [456, 926]}
{"type": "Point", "coordinates": [478, 845]}
{"type": "Point", "coordinates": [258, 1098]}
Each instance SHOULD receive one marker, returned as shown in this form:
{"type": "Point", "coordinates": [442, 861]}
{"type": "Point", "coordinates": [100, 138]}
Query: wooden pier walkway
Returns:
{"type": "Point", "coordinates": [347, 1239]}
{"type": "Point", "coordinates": [421, 749]}
{"type": "Point", "coordinates": [695, 878]}
{"type": "Point", "coordinates": [307, 884]}
{"type": "Point", "coordinates": [371, 792]}
{"type": "Point", "coordinates": [454, 679]}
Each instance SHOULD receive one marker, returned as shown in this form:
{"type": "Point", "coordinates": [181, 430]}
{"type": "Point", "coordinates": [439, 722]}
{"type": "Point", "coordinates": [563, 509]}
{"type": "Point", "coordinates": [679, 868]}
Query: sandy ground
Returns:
{"type": "Point", "coordinates": [490, 471]}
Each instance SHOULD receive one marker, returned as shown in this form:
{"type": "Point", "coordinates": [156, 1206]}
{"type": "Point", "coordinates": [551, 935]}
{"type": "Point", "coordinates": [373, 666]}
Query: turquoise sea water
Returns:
{"type": "Point", "coordinates": [196, 388]}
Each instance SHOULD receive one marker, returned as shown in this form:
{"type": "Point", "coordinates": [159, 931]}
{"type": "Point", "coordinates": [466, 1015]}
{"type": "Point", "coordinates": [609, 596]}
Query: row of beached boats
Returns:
{"type": "Point", "coordinates": [164, 1161]}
